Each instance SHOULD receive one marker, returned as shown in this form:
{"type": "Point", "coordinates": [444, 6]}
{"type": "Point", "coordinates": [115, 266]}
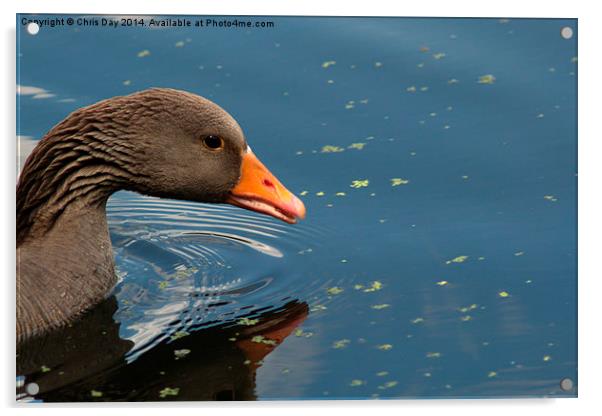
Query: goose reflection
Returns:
{"type": "Point", "coordinates": [87, 360]}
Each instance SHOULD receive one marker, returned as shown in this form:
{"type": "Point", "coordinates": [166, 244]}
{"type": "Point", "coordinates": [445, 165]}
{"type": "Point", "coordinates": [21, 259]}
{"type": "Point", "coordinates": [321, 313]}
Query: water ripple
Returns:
{"type": "Point", "coordinates": [186, 266]}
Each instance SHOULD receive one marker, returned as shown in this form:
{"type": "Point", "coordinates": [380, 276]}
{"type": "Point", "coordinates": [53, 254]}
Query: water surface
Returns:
{"type": "Point", "coordinates": [437, 161]}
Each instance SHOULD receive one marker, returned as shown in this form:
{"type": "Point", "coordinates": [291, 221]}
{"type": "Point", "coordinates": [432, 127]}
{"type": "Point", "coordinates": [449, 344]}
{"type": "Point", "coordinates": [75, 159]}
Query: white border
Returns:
{"type": "Point", "coordinates": [590, 290]}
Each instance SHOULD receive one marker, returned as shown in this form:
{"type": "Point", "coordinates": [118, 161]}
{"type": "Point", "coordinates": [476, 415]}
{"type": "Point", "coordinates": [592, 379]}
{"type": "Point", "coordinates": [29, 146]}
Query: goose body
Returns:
{"type": "Point", "coordinates": [160, 142]}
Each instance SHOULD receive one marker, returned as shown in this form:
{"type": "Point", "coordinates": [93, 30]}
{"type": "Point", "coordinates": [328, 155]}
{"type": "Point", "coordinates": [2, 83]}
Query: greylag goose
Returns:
{"type": "Point", "coordinates": [160, 142]}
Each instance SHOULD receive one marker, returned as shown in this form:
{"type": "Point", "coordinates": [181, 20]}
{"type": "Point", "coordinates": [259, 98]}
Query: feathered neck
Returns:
{"type": "Point", "coordinates": [79, 164]}
{"type": "Point", "coordinates": [64, 254]}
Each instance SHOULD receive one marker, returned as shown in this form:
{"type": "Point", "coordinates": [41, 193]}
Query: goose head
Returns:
{"type": "Point", "coordinates": [188, 147]}
{"type": "Point", "coordinates": [159, 142]}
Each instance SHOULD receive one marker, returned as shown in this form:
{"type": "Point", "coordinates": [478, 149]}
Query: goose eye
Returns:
{"type": "Point", "coordinates": [213, 142]}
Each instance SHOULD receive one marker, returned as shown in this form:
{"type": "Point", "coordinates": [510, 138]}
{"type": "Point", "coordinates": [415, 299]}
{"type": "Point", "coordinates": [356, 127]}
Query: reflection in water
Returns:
{"type": "Point", "coordinates": [85, 362]}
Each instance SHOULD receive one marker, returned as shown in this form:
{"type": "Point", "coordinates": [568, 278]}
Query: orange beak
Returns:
{"type": "Point", "coordinates": [258, 190]}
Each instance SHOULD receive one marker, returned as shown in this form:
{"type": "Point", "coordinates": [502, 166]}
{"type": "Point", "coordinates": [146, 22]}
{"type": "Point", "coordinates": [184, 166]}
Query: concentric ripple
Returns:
{"type": "Point", "coordinates": [184, 266]}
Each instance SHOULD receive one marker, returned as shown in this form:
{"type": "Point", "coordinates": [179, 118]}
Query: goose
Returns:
{"type": "Point", "coordinates": [160, 142]}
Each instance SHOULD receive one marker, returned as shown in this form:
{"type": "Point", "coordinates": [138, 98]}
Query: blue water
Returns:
{"type": "Point", "coordinates": [458, 279]}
